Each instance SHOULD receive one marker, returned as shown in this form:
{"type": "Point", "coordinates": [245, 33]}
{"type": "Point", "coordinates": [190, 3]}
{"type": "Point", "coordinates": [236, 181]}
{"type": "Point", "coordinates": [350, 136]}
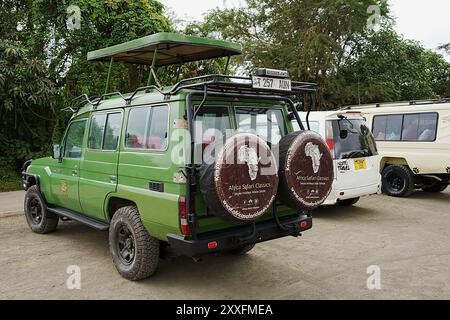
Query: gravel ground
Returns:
{"type": "Point", "coordinates": [408, 239]}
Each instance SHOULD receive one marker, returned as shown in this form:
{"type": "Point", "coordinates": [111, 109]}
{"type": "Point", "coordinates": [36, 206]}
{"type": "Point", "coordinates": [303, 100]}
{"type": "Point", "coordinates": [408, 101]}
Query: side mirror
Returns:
{"type": "Point", "coordinates": [343, 134]}
{"type": "Point", "coordinates": [56, 151]}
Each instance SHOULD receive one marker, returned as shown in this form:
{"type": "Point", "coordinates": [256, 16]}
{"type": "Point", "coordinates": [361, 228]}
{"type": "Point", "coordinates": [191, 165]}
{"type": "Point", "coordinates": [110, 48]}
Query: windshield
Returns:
{"type": "Point", "coordinates": [352, 139]}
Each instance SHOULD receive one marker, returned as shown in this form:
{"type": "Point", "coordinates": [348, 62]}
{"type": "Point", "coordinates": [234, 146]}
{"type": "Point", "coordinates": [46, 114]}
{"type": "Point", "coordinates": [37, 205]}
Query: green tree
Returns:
{"type": "Point", "coordinates": [389, 68]}
{"type": "Point", "coordinates": [43, 63]}
{"type": "Point", "coordinates": [309, 38]}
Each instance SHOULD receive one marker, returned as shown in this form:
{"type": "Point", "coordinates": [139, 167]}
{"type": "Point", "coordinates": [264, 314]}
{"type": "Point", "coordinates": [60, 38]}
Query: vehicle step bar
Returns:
{"type": "Point", "coordinates": [99, 225]}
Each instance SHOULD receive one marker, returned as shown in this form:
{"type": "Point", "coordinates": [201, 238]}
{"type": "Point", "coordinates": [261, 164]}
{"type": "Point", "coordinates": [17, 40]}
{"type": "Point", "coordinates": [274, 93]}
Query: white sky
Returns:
{"type": "Point", "coordinates": [425, 21]}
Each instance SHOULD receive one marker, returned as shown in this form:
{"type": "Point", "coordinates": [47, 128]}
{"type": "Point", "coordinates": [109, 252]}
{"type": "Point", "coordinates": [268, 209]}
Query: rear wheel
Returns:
{"type": "Point", "coordinates": [348, 202]}
{"type": "Point", "coordinates": [436, 188]}
{"type": "Point", "coordinates": [134, 252]}
{"type": "Point", "coordinates": [38, 217]}
{"type": "Point", "coordinates": [397, 181]}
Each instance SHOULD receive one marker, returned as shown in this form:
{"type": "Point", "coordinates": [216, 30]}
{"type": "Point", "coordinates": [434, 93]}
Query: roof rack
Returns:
{"type": "Point", "coordinates": [218, 83]}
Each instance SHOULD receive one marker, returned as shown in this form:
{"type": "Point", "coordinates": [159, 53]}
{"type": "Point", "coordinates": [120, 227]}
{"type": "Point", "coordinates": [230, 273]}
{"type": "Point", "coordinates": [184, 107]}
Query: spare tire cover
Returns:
{"type": "Point", "coordinates": [306, 170]}
{"type": "Point", "coordinates": [241, 182]}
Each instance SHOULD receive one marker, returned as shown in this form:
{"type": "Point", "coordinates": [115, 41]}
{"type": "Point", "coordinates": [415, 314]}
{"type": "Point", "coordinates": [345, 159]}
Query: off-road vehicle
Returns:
{"type": "Point", "coordinates": [413, 139]}
{"type": "Point", "coordinates": [208, 165]}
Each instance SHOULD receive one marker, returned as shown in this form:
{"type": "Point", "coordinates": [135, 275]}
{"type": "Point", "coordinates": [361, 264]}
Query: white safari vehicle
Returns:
{"type": "Point", "coordinates": [413, 140]}
{"type": "Point", "coordinates": [356, 160]}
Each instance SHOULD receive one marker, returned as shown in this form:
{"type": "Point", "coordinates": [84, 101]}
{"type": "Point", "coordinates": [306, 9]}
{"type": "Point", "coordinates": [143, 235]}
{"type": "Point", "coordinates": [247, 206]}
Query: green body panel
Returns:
{"type": "Point", "coordinates": [92, 189]}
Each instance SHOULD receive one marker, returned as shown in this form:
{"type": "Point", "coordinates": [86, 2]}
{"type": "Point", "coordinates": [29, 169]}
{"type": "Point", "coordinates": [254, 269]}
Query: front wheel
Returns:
{"type": "Point", "coordinates": [38, 217]}
{"type": "Point", "coordinates": [348, 202]}
{"type": "Point", "coordinates": [134, 252]}
{"type": "Point", "coordinates": [397, 181]}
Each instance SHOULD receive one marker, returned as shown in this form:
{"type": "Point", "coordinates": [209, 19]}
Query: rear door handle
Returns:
{"type": "Point", "coordinates": [74, 172]}
{"type": "Point", "coordinates": [113, 178]}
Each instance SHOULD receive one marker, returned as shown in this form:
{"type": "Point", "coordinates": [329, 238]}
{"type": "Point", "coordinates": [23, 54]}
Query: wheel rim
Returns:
{"type": "Point", "coordinates": [35, 210]}
{"type": "Point", "coordinates": [395, 181]}
{"type": "Point", "coordinates": [125, 245]}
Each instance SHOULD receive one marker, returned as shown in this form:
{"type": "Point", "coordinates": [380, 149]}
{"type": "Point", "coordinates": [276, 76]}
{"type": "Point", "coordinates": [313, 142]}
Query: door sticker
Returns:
{"type": "Point", "coordinates": [343, 165]}
{"type": "Point", "coordinates": [63, 187]}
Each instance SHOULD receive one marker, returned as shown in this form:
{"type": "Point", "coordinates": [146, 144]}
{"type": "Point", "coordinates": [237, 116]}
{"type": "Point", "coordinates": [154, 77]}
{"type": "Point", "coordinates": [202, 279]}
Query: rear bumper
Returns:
{"type": "Point", "coordinates": [352, 193]}
{"type": "Point", "coordinates": [240, 236]}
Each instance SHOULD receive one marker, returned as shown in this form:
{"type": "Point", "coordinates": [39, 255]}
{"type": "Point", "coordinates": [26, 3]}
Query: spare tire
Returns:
{"type": "Point", "coordinates": [306, 170]}
{"type": "Point", "coordinates": [241, 182]}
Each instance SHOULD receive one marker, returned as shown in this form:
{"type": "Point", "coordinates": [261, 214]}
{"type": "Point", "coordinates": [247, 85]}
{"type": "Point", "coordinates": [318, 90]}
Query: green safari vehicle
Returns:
{"type": "Point", "coordinates": [136, 165]}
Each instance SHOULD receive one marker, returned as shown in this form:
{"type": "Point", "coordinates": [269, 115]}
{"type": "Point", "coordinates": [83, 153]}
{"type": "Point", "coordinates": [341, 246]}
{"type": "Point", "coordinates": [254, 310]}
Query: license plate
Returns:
{"type": "Point", "coordinates": [360, 164]}
{"type": "Point", "coordinates": [271, 83]}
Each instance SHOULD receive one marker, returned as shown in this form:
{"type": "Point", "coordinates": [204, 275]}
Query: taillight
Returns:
{"type": "Point", "coordinates": [330, 144]}
{"type": "Point", "coordinates": [182, 210]}
{"type": "Point", "coordinates": [329, 136]}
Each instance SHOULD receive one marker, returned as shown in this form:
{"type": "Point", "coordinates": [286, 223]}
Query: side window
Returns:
{"type": "Point", "coordinates": [74, 139]}
{"type": "Point", "coordinates": [419, 127]}
{"type": "Point", "coordinates": [104, 131]}
{"type": "Point", "coordinates": [96, 131]}
{"type": "Point", "coordinates": [157, 136]}
{"type": "Point", "coordinates": [112, 131]}
{"type": "Point", "coordinates": [387, 128]}
{"type": "Point", "coordinates": [147, 128]}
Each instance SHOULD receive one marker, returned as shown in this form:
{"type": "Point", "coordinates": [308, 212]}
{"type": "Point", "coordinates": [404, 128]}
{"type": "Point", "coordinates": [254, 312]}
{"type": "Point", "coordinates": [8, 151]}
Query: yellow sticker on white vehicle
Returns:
{"type": "Point", "coordinates": [360, 164]}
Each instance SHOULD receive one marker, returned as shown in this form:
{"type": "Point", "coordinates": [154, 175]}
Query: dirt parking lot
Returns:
{"type": "Point", "coordinates": [407, 238]}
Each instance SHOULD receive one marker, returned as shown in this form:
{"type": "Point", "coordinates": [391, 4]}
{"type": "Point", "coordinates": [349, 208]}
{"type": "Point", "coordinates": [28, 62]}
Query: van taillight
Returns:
{"type": "Point", "coordinates": [182, 210]}
{"type": "Point", "coordinates": [330, 144]}
{"type": "Point", "coordinates": [329, 136]}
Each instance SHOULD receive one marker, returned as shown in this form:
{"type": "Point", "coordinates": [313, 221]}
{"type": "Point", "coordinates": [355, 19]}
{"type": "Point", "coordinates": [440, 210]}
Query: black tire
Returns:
{"type": "Point", "coordinates": [397, 181]}
{"type": "Point", "coordinates": [38, 217]}
{"type": "Point", "coordinates": [436, 188]}
{"type": "Point", "coordinates": [348, 202]}
{"type": "Point", "coordinates": [241, 250]}
{"type": "Point", "coordinates": [134, 252]}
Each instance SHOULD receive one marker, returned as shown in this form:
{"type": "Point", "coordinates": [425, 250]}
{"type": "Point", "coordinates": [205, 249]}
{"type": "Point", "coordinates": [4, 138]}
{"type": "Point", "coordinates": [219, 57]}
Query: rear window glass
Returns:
{"type": "Point", "coordinates": [352, 139]}
{"type": "Point", "coordinates": [267, 123]}
{"type": "Point", "coordinates": [210, 121]}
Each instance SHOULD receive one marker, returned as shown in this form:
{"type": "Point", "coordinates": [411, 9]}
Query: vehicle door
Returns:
{"type": "Point", "coordinates": [65, 173]}
{"type": "Point", "coordinates": [99, 167]}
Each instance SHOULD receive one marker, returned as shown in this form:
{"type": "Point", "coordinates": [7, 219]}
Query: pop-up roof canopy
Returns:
{"type": "Point", "coordinates": [170, 48]}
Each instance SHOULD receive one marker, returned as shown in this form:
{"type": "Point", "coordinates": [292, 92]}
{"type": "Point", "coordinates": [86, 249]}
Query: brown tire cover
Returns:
{"type": "Point", "coordinates": [242, 181]}
{"type": "Point", "coordinates": [306, 170]}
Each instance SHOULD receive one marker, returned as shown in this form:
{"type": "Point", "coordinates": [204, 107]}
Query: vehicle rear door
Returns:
{"type": "Point", "coordinates": [99, 168]}
{"type": "Point", "coordinates": [356, 160]}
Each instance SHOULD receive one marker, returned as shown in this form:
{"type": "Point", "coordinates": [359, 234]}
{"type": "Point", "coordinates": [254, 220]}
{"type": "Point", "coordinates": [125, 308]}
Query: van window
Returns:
{"type": "Point", "coordinates": [408, 127]}
{"type": "Point", "coordinates": [267, 123]}
{"type": "Point", "coordinates": [147, 128]}
{"type": "Point", "coordinates": [419, 127]}
{"type": "Point", "coordinates": [104, 131]}
{"type": "Point", "coordinates": [352, 139]}
{"type": "Point", "coordinates": [74, 139]}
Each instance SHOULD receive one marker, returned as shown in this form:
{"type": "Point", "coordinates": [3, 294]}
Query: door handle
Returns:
{"type": "Point", "coordinates": [113, 179]}
{"type": "Point", "coordinates": [74, 172]}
